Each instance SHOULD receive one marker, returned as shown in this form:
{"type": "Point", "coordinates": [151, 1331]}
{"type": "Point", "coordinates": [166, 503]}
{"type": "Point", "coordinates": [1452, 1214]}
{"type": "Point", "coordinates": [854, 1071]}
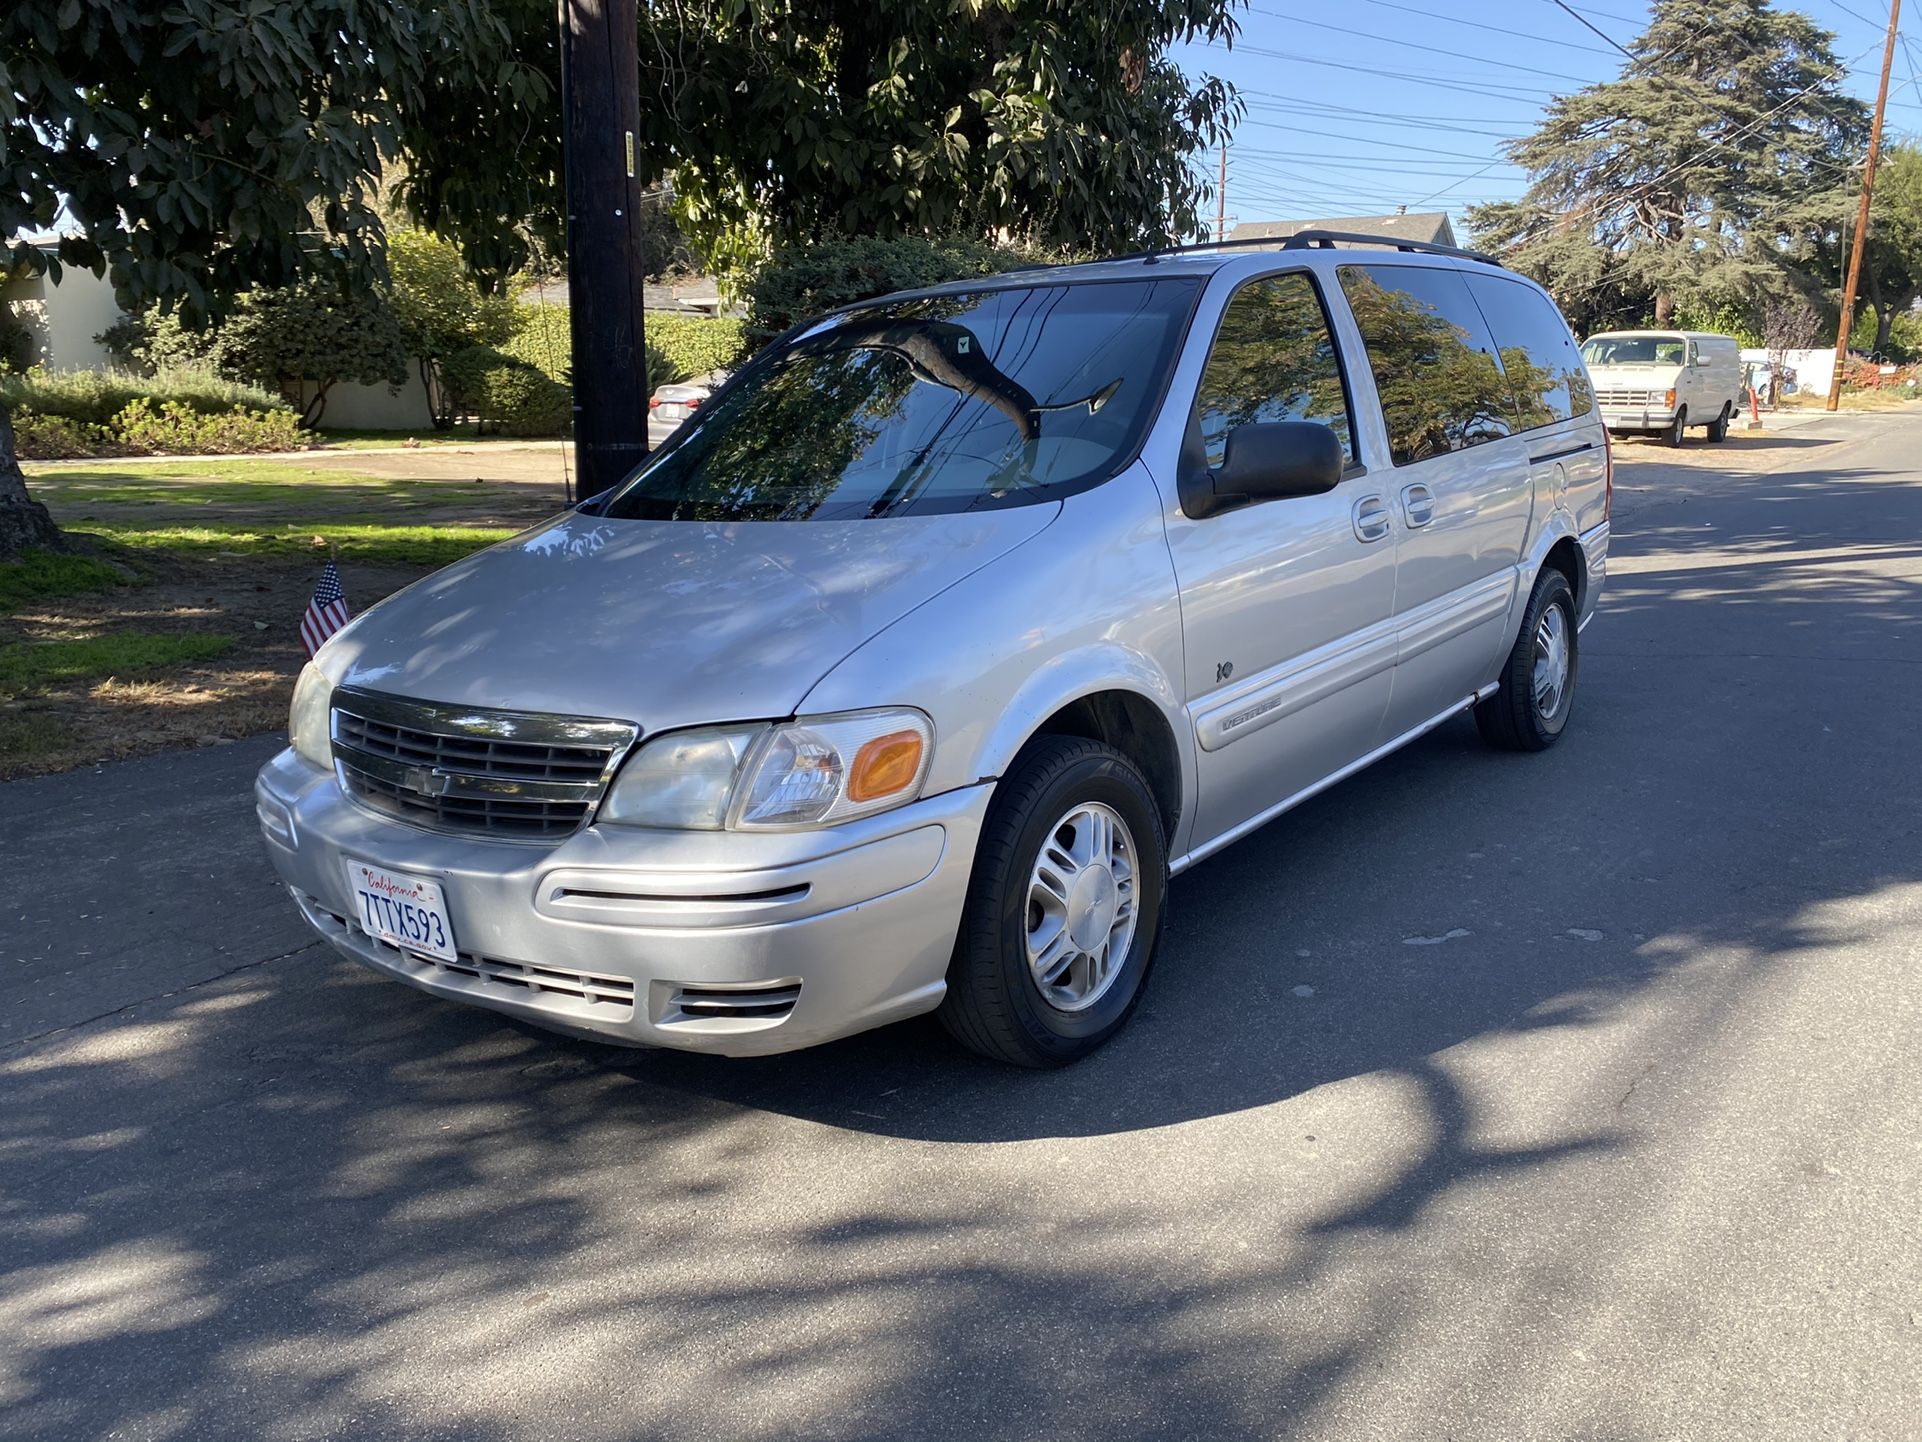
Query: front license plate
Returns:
{"type": "Point", "coordinates": [407, 911]}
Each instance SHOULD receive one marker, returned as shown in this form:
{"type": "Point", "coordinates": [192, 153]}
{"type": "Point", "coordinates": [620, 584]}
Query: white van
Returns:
{"type": "Point", "coordinates": [1660, 382]}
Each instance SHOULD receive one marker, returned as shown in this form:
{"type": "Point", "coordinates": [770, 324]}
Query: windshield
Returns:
{"type": "Point", "coordinates": [942, 404]}
{"type": "Point", "coordinates": [1634, 350]}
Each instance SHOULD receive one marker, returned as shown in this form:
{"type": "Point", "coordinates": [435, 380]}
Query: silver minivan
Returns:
{"type": "Point", "coordinates": [954, 625]}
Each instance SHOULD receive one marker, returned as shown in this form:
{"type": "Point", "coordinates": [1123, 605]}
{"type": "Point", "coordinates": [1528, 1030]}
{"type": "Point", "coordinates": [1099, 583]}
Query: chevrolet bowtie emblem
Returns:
{"type": "Point", "coordinates": [427, 782]}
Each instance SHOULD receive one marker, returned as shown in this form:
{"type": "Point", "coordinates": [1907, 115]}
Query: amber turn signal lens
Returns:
{"type": "Point", "coordinates": [885, 765]}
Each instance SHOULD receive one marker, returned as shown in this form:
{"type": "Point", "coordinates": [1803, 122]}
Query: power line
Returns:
{"type": "Point", "coordinates": [1416, 45]}
{"type": "Point", "coordinates": [1496, 29]}
{"type": "Point", "coordinates": [1337, 135]}
{"type": "Point", "coordinates": [1490, 89]}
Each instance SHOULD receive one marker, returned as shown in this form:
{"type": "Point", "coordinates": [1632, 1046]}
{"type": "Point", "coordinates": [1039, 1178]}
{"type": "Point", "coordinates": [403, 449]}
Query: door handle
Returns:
{"type": "Point", "coordinates": [1418, 504]}
{"type": "Point", "coordinates": [1371, 518]}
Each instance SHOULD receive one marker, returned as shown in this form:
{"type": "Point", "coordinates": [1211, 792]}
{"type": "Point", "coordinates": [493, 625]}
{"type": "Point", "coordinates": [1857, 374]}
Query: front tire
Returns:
{"type": "Point", "coordinates": [1064, 910]}
{"type": "Point", "coordinates": [1537, 689]}
{"type": "Point", "coordinates": [1677, 431]}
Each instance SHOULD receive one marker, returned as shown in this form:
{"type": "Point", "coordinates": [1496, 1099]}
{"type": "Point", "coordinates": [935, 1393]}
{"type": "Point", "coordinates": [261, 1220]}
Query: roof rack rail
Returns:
{"type": "Point", "coordinates": [1328, 239]}
{"type": "Point", "coordinates": [1310, 240]}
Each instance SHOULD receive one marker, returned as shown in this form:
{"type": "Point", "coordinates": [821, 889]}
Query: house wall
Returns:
{"type": "Point", "coordinates": [373, 408]}
{"type": "Point", "coordinates": [65, 316]}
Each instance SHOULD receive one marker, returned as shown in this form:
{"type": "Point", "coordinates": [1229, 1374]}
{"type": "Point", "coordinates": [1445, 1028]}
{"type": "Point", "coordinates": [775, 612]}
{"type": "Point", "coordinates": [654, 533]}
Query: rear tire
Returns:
{"type": "Point", "coordinates": [1072, 865]}
{"type": "Point", "coordinates": [1537, 692]}
{"type": "Point", "coordinates": [1718, 428]}
{"type": "Point", "coordinates": [1677, 431]}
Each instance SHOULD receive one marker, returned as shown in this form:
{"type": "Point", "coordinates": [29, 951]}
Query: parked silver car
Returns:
{"type": "Point", "coordinates": [942, 636]}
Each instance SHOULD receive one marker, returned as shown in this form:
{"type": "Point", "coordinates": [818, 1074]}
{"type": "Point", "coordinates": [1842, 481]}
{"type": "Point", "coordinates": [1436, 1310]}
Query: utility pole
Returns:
{"type": "Point", "coordinates": [1221, 196]}
{"type": "Point", "coordinates": [1862, 213]}
{"type": "Point", "coordinates": [601, 99]}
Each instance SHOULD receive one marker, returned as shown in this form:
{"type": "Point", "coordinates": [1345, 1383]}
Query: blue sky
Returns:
{"type": "Point", "coordinates": [1329, 133]}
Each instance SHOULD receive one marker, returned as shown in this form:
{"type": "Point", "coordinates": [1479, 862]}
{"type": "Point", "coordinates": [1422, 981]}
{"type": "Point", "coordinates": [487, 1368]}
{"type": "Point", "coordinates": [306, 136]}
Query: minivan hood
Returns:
{"type": "Point", "coordinates": [665, 623]}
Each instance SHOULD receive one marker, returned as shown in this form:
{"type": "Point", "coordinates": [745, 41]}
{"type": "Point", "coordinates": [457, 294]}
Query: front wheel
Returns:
{"type": "Point", "coordinates": [1676, 433]}
{"type": "Point", "coordinates": [1064, 909]}
{"type": "Point", "coordinates": [1537, 688]}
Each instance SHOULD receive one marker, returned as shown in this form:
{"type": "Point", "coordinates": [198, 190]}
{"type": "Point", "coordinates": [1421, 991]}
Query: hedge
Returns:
{"type": "Point", "coordinates": [799, 282]}
{"type": "Point", "coordinates": [97, 397]}
{"type": "Point", "coordinates": [679, 347]}
{"type": "Point", "coordinates": [505, 393]}
{"type": "Point", "coordinates": [166, 428]}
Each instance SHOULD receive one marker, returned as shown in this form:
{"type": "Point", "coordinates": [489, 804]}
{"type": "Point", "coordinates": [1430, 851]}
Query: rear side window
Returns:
{"type": "Point", "coordinates": [1436, 371]}
{"type": "Point", "coordinates": [1544, 369]}
{"type": "Point", "coordinates": [1273, 359]}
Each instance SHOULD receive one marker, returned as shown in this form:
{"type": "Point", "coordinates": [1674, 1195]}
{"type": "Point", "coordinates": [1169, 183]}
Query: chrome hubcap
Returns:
{"type": "Point", "coordinates": [1081, 906]}
{"type": "Point", "coordinates": [1551, 662]}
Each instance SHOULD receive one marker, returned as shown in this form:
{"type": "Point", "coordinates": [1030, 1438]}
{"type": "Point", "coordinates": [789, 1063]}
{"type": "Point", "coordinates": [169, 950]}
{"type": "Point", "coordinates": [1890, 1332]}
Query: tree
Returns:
{"type": "Point", "coordinates": [1892, 258]}
{"type": "Point", "coordinates": [777, 121]}
{"type": "Point", "coordinates": [441, 310]}
{"type": "Point", "coordinates": [199, 150]}
{"type": "Point", "coordinates": [1676, 178]}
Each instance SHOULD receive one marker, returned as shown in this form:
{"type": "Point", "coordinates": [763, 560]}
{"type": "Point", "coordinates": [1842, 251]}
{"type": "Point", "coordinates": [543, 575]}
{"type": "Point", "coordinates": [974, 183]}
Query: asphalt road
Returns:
{"type": "Point", "coordinates": [1575, 1096]}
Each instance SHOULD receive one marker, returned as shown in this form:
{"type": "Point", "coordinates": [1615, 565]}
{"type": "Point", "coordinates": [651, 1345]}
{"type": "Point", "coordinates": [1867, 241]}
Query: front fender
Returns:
{"type": "Point", "coordinates": [1089, 605]}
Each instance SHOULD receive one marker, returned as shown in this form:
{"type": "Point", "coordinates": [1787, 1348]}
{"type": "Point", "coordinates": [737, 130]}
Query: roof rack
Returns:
{"type": "Point", "coordinates": [1328, 239]}
{"type": "Point", "coordinates": [1312, 240]}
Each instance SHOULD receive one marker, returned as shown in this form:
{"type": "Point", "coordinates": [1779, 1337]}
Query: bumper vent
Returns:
{"type": "Point", "coordinates": [475, 771]}
{"type": "Point", "coordinates": [609, 998]}
{"type": "Point", "coordinates": [764, 1003]}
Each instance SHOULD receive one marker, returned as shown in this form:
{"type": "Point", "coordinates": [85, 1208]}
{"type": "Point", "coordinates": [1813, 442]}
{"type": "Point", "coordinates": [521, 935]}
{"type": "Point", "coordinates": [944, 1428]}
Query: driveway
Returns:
{"type": "Point", "coordinates": [1573, 1096]}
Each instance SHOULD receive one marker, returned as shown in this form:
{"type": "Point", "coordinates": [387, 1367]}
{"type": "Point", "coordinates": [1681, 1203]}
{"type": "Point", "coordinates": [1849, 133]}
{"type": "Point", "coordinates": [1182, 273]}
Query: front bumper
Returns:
{"type": "Point", "coordinates": [1640, 418]}
{"type": "Point", "coordinates": [739, 943]}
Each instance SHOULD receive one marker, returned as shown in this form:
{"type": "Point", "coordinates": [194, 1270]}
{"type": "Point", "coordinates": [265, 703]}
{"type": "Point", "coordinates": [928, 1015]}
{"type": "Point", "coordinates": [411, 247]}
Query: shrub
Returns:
{"type": "Point", "coordinates": [506, 393]}
{"type": "Point", "coordinates": [96, 397]}
{"type": "Point", "coordinates": [170, 428]}
{"type": "Point", "coordinates": [56, 438]}
{"type": "Point", "coordinates": [544, 339]}
{"type": "Point", "coordinates": [526, 403]}
{"type": "Point", "coordinates": [693, 345]}
{"type": "Point", "coordinates": [798, 282]}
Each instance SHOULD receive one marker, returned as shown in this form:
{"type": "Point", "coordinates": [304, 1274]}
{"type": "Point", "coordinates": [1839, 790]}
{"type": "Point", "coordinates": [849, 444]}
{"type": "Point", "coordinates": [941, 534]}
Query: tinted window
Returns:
{"type": "Point", "coordinates": [1440, 384]}
{"type": "Point", "coordinates": [941, 404]}
{"type": "Point", "coordinates": [1273, 360]}
{"type": "Point", "coordinates": [1545, 371]}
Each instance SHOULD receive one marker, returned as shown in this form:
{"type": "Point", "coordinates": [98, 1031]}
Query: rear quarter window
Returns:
{"type": "Point", "coordinates": [1544, 368]}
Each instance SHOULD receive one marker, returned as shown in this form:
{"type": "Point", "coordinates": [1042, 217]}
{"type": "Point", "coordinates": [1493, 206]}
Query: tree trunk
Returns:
{"type": "Point", "coordinates": [1664, 308]}
{"type": "Point", "coordinates": [23, 520]}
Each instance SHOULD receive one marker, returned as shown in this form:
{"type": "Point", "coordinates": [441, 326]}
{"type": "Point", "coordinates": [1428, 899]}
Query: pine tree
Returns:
{"type": "Point", "coordinates": [1675, 180]}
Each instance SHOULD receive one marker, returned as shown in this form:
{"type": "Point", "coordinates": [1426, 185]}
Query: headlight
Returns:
{"type": "Point", "coordinates": [816, 772]}
{"type": "Point", "coordinates": [684, 779]}
{"type": "Point", "coordinates": [307, 720]}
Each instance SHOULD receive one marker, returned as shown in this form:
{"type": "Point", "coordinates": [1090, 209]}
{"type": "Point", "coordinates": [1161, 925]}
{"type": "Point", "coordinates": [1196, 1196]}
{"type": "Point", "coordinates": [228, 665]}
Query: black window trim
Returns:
{"type": "Point", "coordinates": [1355, 466]}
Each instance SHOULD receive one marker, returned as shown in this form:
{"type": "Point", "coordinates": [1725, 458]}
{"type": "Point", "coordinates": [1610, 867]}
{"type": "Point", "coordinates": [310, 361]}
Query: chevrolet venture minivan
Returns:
{"type": "Point", "coordinates": [955, 624]}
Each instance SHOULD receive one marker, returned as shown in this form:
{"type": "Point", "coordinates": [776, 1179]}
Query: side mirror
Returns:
{"type": "Point", "coordinates": [1266, 461]}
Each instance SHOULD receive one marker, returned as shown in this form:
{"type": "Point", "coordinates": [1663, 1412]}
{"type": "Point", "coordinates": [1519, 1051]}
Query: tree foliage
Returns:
{"type": "Point", "coordinates": [1679, 177]}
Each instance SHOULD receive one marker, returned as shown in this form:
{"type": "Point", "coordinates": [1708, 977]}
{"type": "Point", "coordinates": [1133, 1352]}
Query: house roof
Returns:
{"type": "Point", "coordinates": [1428, 226]}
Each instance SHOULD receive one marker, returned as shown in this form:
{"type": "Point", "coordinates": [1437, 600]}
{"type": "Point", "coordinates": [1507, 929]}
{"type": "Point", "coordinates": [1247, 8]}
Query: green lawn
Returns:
{"type": "Point", "coordinates": [369, 542]}
{"type": "Point", "coordinates": [27, 667]}
{"type": "Point", "coordinates": [40, 575]}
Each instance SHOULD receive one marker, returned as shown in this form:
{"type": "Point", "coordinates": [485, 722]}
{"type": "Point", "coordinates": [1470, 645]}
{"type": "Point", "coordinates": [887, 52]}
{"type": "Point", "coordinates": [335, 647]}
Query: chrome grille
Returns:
{"type": "Point", "coordinates": [1623, 397]}
{"type": "Point", "coordinates": [474, 770]}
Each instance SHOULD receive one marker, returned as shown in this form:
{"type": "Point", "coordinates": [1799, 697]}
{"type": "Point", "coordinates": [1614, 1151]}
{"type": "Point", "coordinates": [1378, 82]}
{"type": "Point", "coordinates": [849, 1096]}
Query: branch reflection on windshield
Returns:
{"type": "Point", "coordinates": [942, 404]}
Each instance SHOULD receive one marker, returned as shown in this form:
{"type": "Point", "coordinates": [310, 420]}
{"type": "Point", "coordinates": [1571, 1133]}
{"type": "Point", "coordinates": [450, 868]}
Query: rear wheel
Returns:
{"type": "Point", "coordinates": [1674, 435]}
{"type": "Point", "coordinates": [1064, 910]}
{"type": "Point", "coordinates": [1718, 428]}
{"type": "Point", "coordinates": [1537, 690]}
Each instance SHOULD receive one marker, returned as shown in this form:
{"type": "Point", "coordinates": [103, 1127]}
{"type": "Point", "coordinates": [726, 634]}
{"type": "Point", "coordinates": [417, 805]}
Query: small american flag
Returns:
{"type": "Point", "coordinates": [326, 613]}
